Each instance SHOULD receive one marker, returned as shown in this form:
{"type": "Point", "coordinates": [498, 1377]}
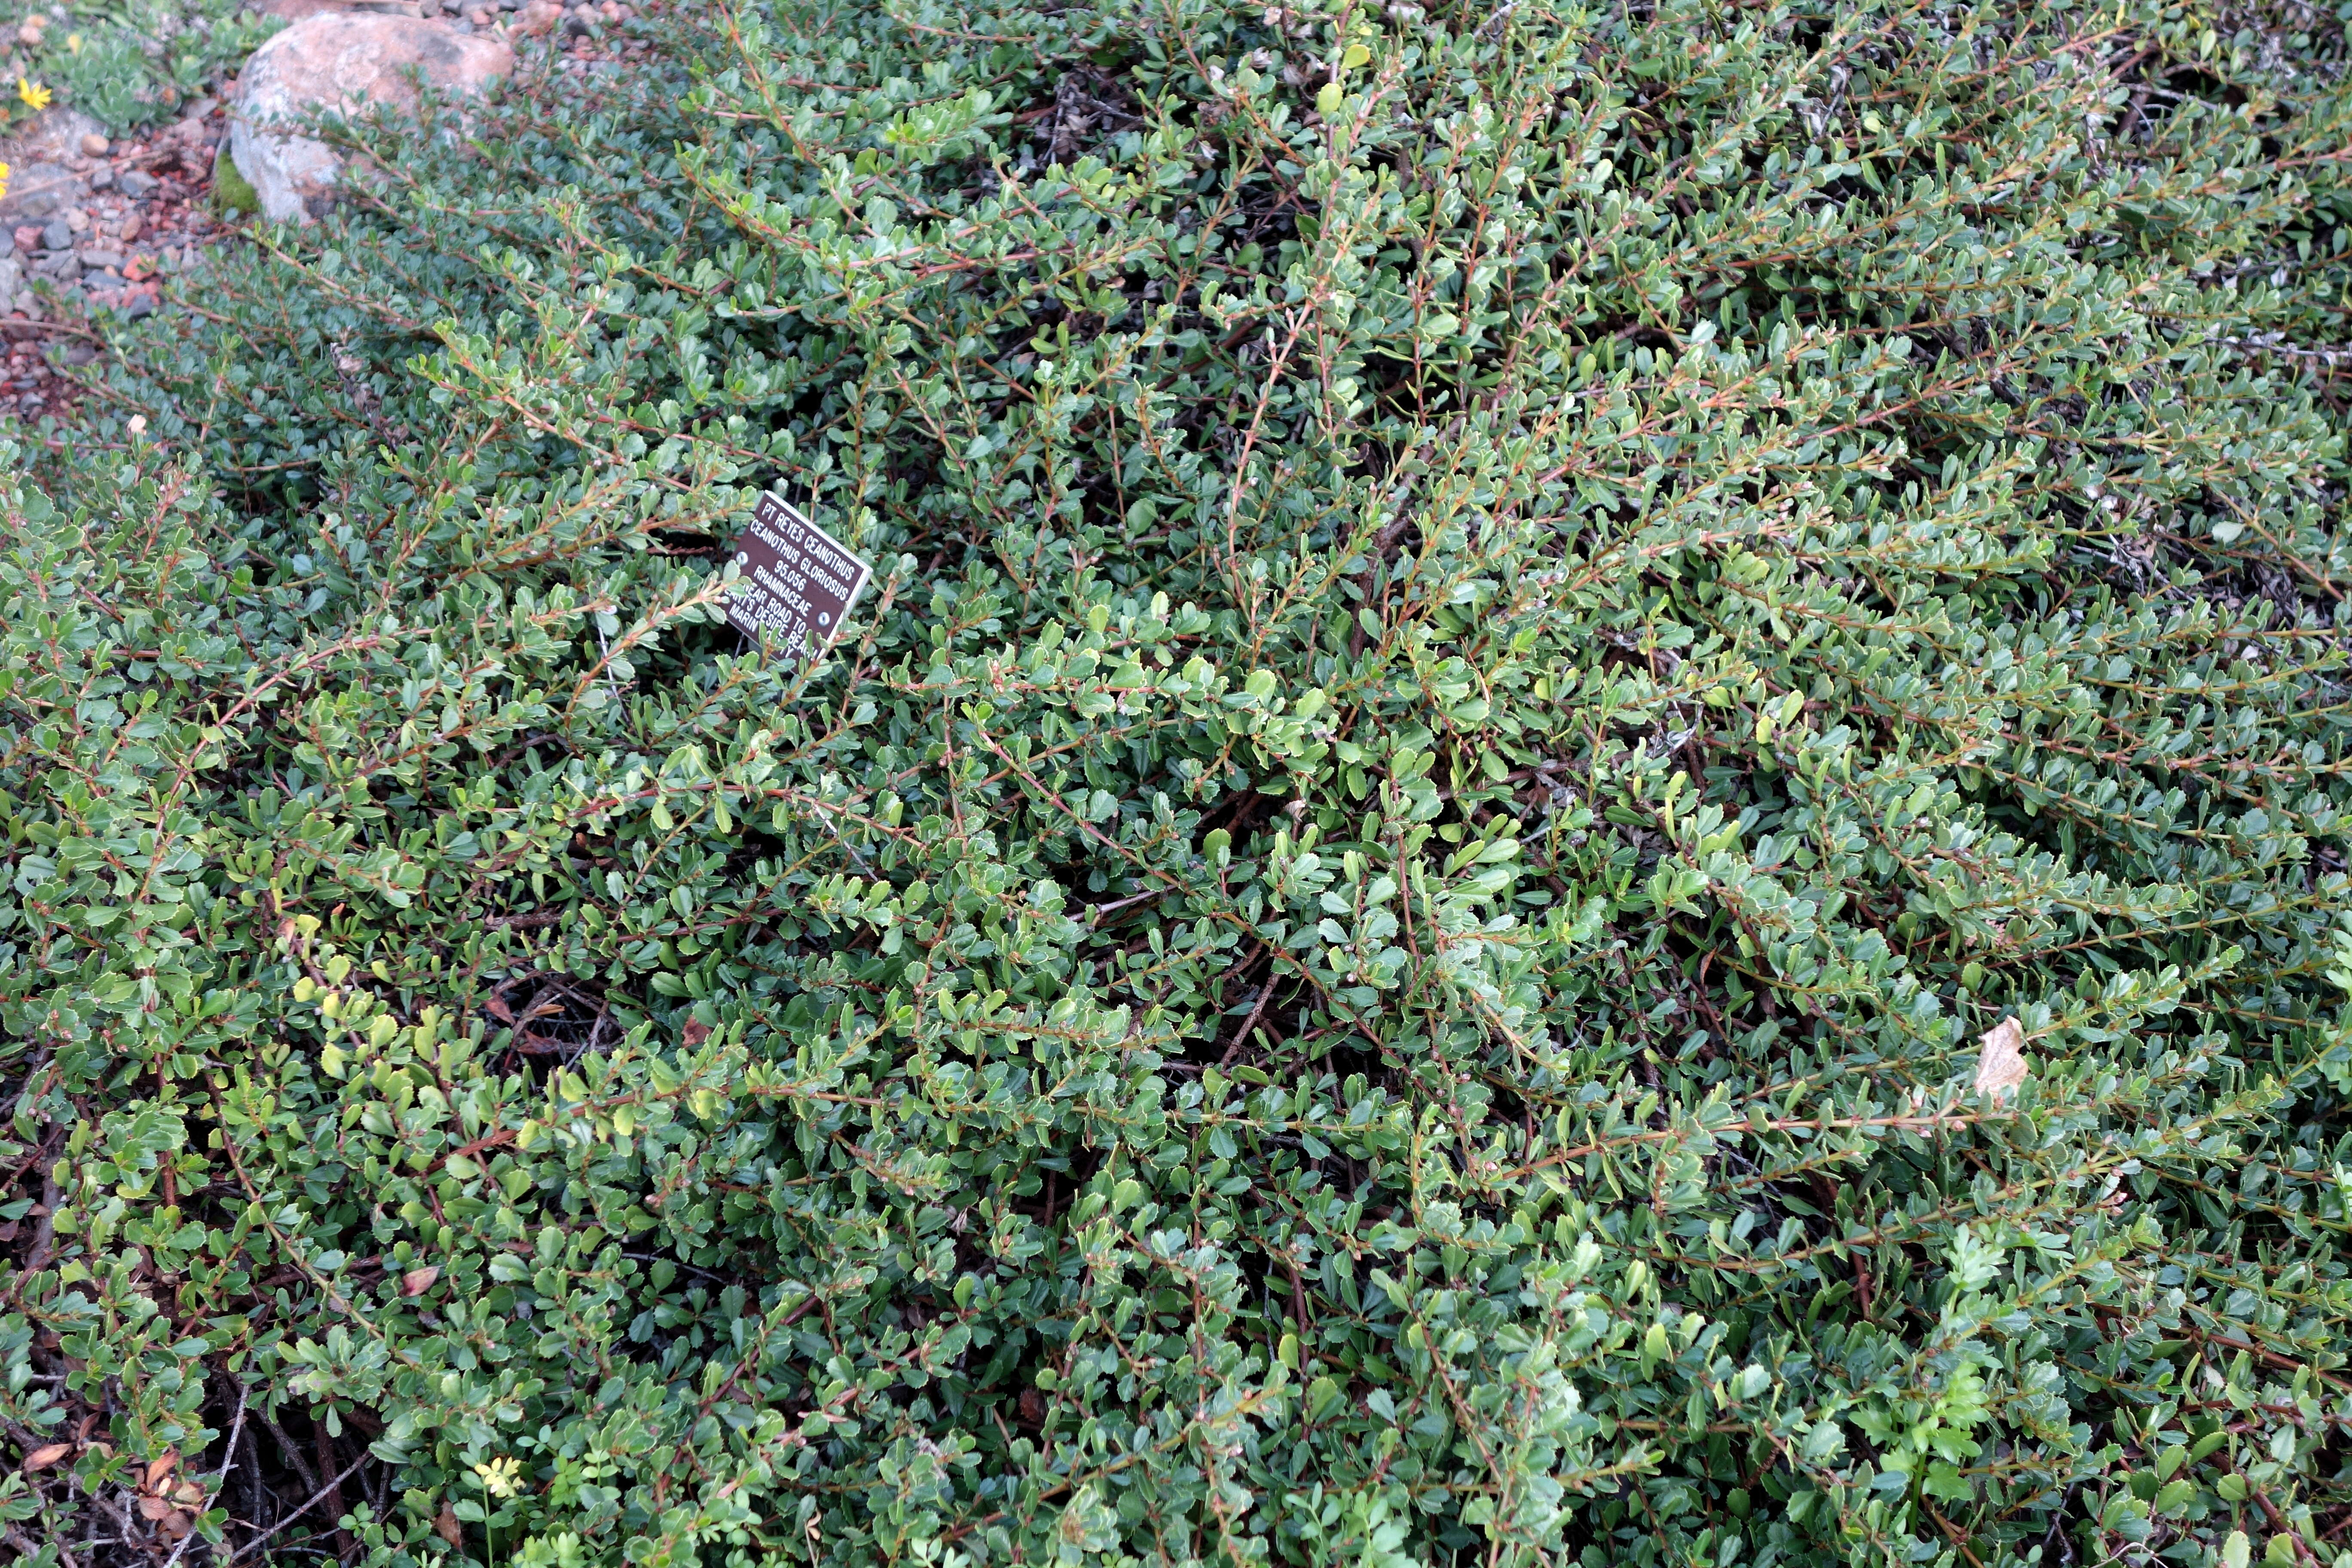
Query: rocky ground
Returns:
{"type": "Point", "coordinates": [93, 229]}
{"type": "Point", "coordinates": [575, 24]}
{"type": "Point", "coordinates": [94, 224]}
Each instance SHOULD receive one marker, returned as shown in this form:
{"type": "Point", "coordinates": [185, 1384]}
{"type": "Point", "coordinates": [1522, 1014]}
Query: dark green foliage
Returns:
{"type": "Point", "coordinates": [1498, 635]}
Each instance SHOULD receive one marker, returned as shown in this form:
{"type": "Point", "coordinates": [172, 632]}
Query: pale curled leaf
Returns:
{"type": "Point", "coordinates": [445, 1525]}
{"type": "Point", "coordinates": [48, 1454]}
{"type": "Point", "coordinates": [417, 1282]}
{"type": "Point", "coordinates": [2000, 1058]}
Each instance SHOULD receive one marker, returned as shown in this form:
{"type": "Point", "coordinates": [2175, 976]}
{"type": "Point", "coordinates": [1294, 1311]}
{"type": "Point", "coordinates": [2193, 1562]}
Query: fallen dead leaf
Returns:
{"type": "Point", "coordinates": [695, 1033]}
{"type": "Point", "coordinates": [417, 1282]}
{"type": "Point", "coordinates": [176, 1524]}
{"type": "Point", "coordinates": [155, 1508]}
{"type": "Point", "coordinates": [2000, 1058]}
{"type": "Point", "coordinates": [187, 1494]}
{"type": "Point", "coordinates": [445, 1525]}
{"type": "Point", "coordinates": [48, 1454]}
{"type": "Point", "coordinates": [159, 1467]}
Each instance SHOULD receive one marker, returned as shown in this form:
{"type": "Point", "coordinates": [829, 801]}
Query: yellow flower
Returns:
{"type": "Point", "coordinates": [33, 94]}
{"type": "Point", "coordinates": [499, 1478]}
{"type": "Point", "coordinates": [73, 43]}
{"type": "Point", "coordinates": [4, 179]}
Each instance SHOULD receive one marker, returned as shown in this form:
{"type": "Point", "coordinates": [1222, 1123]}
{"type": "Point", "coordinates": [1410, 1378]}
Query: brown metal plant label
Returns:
{"type": "Point", "coordinates": [797, 582]}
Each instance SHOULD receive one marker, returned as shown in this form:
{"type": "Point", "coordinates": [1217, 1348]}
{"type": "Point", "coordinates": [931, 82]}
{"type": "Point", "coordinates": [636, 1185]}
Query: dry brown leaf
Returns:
{"type": "Point", "coordinates": [2000, 1058]}
{"type": "Point", "coordinates": [445, 1525]}
{"type": "Point", "coordinates": [187, 1494]}
{"type": "Point", "coordinates": [155, 1508]}
{"type": "Point", "coordinates": [417, 1282]}
{"type": "Point", "coordinates": [176, 1524]}
{"type": "Point", "coordinates": [695, 1033]}
{"type": "Point", "coordinates": [48, 1454]}
{"type": "Point", "coordinates": [159, 1468]}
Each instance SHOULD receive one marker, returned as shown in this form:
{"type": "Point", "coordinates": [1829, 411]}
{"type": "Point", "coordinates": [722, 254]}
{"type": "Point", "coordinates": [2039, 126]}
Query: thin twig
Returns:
{"type": "Point", "coordinates": [16, 1538]}
{"type": "Point", "coordinates": [1257, 1010]}
{"type": "Point", "coordinates": [44, 1233]}
{"type": "Point", "coordinates": [292, 1455]}
{"type": "Point", "coordinates": [235, 1430]}
{"type": "Point", "coordinates": [314, 1498]}
{"type": "Point", "coordinates": [1096, 911]}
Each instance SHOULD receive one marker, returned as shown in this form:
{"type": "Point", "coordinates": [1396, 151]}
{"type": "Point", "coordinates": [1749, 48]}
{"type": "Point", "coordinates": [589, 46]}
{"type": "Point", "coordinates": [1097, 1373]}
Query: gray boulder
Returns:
{"type": "Point", "coordinates": [340, 63]}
